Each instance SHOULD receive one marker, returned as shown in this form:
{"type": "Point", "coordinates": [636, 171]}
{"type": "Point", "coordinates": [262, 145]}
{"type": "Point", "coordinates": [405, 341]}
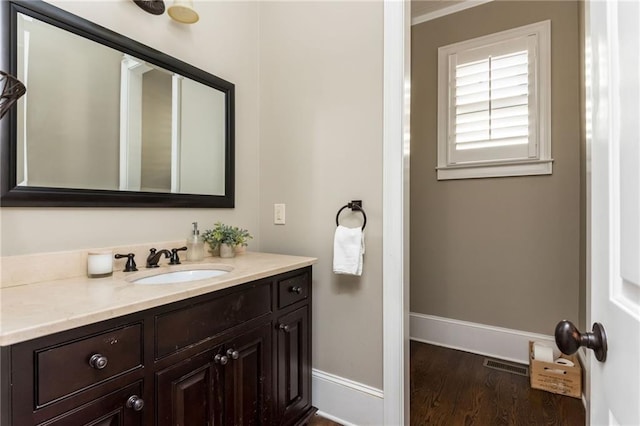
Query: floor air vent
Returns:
{"type": "Point", "coordinates": [507, 367]}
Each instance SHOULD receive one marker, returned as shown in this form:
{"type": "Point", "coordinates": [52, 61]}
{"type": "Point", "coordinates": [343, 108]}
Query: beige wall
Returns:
{"type": "Point", "coordinates": [65, 107]}
{"type": "Point", "coordinates": [500, 251]}
{"type": "Point", "coordinates": [321, 146]}
{"type": "Point", "coordinates": [203, 131]}
{"type": "Point", "coordinates": [315, 145]}
{"type": "Point", "coordinates": [225, 43]}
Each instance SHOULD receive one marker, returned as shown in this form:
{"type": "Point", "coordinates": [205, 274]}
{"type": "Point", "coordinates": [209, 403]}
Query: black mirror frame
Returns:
{"type": "Point", "coordinates": [12, 195]}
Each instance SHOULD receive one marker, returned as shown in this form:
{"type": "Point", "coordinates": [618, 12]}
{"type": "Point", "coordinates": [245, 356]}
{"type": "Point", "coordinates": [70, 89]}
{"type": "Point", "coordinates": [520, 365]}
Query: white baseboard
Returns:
{"type": "Point", "coordinates": [345, 401]}
{"type": "Point", "coordinates": [496, 342]}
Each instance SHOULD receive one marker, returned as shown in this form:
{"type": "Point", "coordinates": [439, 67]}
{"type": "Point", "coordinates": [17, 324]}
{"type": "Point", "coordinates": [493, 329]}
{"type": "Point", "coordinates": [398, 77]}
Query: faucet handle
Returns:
{"type": "Point", "coordinates": [131, 264]}
{"type": "Point", "coordinates": [175, 260]}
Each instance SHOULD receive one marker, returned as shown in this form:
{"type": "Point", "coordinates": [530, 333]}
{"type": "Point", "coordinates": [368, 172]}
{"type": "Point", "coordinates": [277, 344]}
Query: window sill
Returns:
{"type": "Point", "coordinates": [489, 170]}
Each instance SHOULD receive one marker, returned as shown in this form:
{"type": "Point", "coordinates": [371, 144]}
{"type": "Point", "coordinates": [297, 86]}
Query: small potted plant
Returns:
{"type": "Point", "coordinates": [242, 238]}
{"type": "Point", "coordinates": [226, 239]}
{"type": "Point", "coordinates": [212, 237]}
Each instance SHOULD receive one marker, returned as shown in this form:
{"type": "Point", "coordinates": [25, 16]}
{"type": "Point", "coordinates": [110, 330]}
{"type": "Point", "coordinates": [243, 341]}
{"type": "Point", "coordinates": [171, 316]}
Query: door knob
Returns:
{"type": "Point", "coordinates": [233, 354]}
{"type": "Point", "coordinates": [569, 339]}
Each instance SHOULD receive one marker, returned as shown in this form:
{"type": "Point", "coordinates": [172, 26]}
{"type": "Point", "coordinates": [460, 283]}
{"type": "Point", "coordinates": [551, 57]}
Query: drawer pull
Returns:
{"type": "Point", "coordinates": [220, 359]}
{"type": "Point", "coordinates": [233, 354]}
{"type": "Point", "coordinates": [98, 361]}
{"type": "Point", "coordinates": [285, 328]}
{"type": "Point", "coordinates": [296, 289]}
{"type": "Point", "coordinates": [135, 402]}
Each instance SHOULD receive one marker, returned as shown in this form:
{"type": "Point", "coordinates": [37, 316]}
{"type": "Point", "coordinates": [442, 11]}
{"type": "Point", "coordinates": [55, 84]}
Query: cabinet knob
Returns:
{"type": "Point", "coordinates": [296, 289]}
{"type": "Point", "coordinates": [233, 354]}
{"type": "Point", "coordinates": [220, 359]}
{"type": "Point", "coordinates": [135, 402]}
{"type": "Point", "coordinates": [285, 328]}
{"type": "Point", "coordinates": [98, 361]}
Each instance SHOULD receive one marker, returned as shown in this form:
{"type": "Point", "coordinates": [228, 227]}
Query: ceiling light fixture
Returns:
{"type": "Point", "coordinates": [155, 7]}
{"type": "Point", "coordinates": [182, 11]}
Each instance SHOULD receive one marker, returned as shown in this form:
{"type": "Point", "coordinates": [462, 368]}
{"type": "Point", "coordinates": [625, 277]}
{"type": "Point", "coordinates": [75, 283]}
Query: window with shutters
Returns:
{"type": "Point", "coordinates": [494, 104]}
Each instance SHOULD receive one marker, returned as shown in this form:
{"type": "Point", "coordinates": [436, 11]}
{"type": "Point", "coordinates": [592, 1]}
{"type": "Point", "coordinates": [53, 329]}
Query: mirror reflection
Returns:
{"type": "Point", "coordinates": [97, 118]}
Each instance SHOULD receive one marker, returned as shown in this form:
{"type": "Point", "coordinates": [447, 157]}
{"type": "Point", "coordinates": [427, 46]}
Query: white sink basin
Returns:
{"type": "Point", "coordinates": [175, 277]}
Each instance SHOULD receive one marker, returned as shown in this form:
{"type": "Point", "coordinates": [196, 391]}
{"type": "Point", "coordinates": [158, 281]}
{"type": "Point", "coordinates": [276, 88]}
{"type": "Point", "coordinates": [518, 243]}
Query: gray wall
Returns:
{"type": "Point", "coordinates": [155, 168]}
{"type": "Point", "coordinates": [497, 251]}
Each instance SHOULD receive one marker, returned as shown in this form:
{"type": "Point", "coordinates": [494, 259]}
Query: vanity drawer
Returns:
{"type": "Point", "coordinates": [293, 289]}
{"type": "Point", "coordinates": [74, 366]}
{"type": "Point", "coordinates": [197, 322]}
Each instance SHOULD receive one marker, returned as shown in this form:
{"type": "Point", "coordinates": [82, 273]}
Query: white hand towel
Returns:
{"type": "Point", "coordinates": [348, 251]}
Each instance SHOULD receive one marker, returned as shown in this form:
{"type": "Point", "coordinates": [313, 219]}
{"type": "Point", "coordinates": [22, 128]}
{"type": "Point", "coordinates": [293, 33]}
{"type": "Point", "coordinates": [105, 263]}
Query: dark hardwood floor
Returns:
{"type": "Point", "coordinates": [321, 421]}
{"type": "Point", "coordinates": [450, 387]}
{"type": "Point", "coordinates": [453, 388]}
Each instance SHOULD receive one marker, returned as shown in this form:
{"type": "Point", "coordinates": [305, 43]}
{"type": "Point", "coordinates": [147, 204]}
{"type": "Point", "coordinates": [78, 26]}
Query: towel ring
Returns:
{"type": "Point", "coordinates": [353, 205]}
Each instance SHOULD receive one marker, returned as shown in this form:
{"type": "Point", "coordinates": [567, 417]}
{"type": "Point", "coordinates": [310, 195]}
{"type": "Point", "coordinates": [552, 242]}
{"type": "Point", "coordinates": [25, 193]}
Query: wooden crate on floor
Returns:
{"type": "Point", "coordinates": [556, 378]}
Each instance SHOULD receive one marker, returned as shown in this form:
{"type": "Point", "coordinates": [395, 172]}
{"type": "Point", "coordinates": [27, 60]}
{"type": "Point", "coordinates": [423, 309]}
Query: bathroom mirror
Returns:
{"type": "Point", "coordinates": [107, 121]}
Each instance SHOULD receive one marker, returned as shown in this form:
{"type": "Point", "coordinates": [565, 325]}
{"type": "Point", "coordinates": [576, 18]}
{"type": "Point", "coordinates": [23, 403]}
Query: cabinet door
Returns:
{"type": "Point", "coordinates": [294, 365]}
{"type": "Point", "coordinates": [190, 392]}
{"type": "Point", "coordinates": [248, 378]}
{"type": "Point", "coordinates": [120, 408]}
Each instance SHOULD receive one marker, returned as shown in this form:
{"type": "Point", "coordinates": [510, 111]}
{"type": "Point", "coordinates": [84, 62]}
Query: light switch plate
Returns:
{"type": "Point", "coordinates": [279, 214]}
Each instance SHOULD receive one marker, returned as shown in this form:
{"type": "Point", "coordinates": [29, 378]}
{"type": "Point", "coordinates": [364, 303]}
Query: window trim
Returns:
{"type": "Point", "coordinates": [541, 163]}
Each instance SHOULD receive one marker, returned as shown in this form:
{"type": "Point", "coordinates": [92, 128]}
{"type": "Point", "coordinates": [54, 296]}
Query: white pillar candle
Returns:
{"type": "Point", "coordinates": [99, 264]}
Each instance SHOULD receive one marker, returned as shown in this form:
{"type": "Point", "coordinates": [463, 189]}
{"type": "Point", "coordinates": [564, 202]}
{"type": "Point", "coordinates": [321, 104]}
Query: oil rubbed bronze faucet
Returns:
{"type": "Point", "coordinates": [154, 257]}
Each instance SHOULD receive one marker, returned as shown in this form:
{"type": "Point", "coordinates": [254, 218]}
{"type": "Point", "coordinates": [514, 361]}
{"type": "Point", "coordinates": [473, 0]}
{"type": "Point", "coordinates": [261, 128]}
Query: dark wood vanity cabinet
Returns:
{"type": "Point", "coordinates": [247, 386]}
{"type": "Point", "coordinates": [227, 385]}
{"type": "Point", "coordinates": [109, 410]}
{"type": "Point", "coordinates": [293, 328]}
{"type": "Point", "coordinates": [189, 392]}
{"type": "Point", "coordinates": [294, 372]}
{"type": "Point", "coordinates": [238, 356]}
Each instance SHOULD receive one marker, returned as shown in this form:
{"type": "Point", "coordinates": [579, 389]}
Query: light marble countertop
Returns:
{"type": "Point", "coordinates": [34, 310]}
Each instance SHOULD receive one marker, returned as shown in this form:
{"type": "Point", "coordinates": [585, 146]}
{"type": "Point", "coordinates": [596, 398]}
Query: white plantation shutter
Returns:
{"type": "Point", "coordinates": [491, 102]}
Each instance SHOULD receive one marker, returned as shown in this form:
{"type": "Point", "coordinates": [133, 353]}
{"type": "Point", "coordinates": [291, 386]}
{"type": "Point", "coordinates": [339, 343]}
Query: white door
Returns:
{"type": "Point", "coordinates": [613, 135]}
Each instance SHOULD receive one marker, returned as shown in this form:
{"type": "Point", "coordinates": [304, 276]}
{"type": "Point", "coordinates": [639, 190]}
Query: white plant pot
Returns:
{"type": "Point", "coordinates": [227, 251]}
{"type": "Point", "coordinates": [215, 251]}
